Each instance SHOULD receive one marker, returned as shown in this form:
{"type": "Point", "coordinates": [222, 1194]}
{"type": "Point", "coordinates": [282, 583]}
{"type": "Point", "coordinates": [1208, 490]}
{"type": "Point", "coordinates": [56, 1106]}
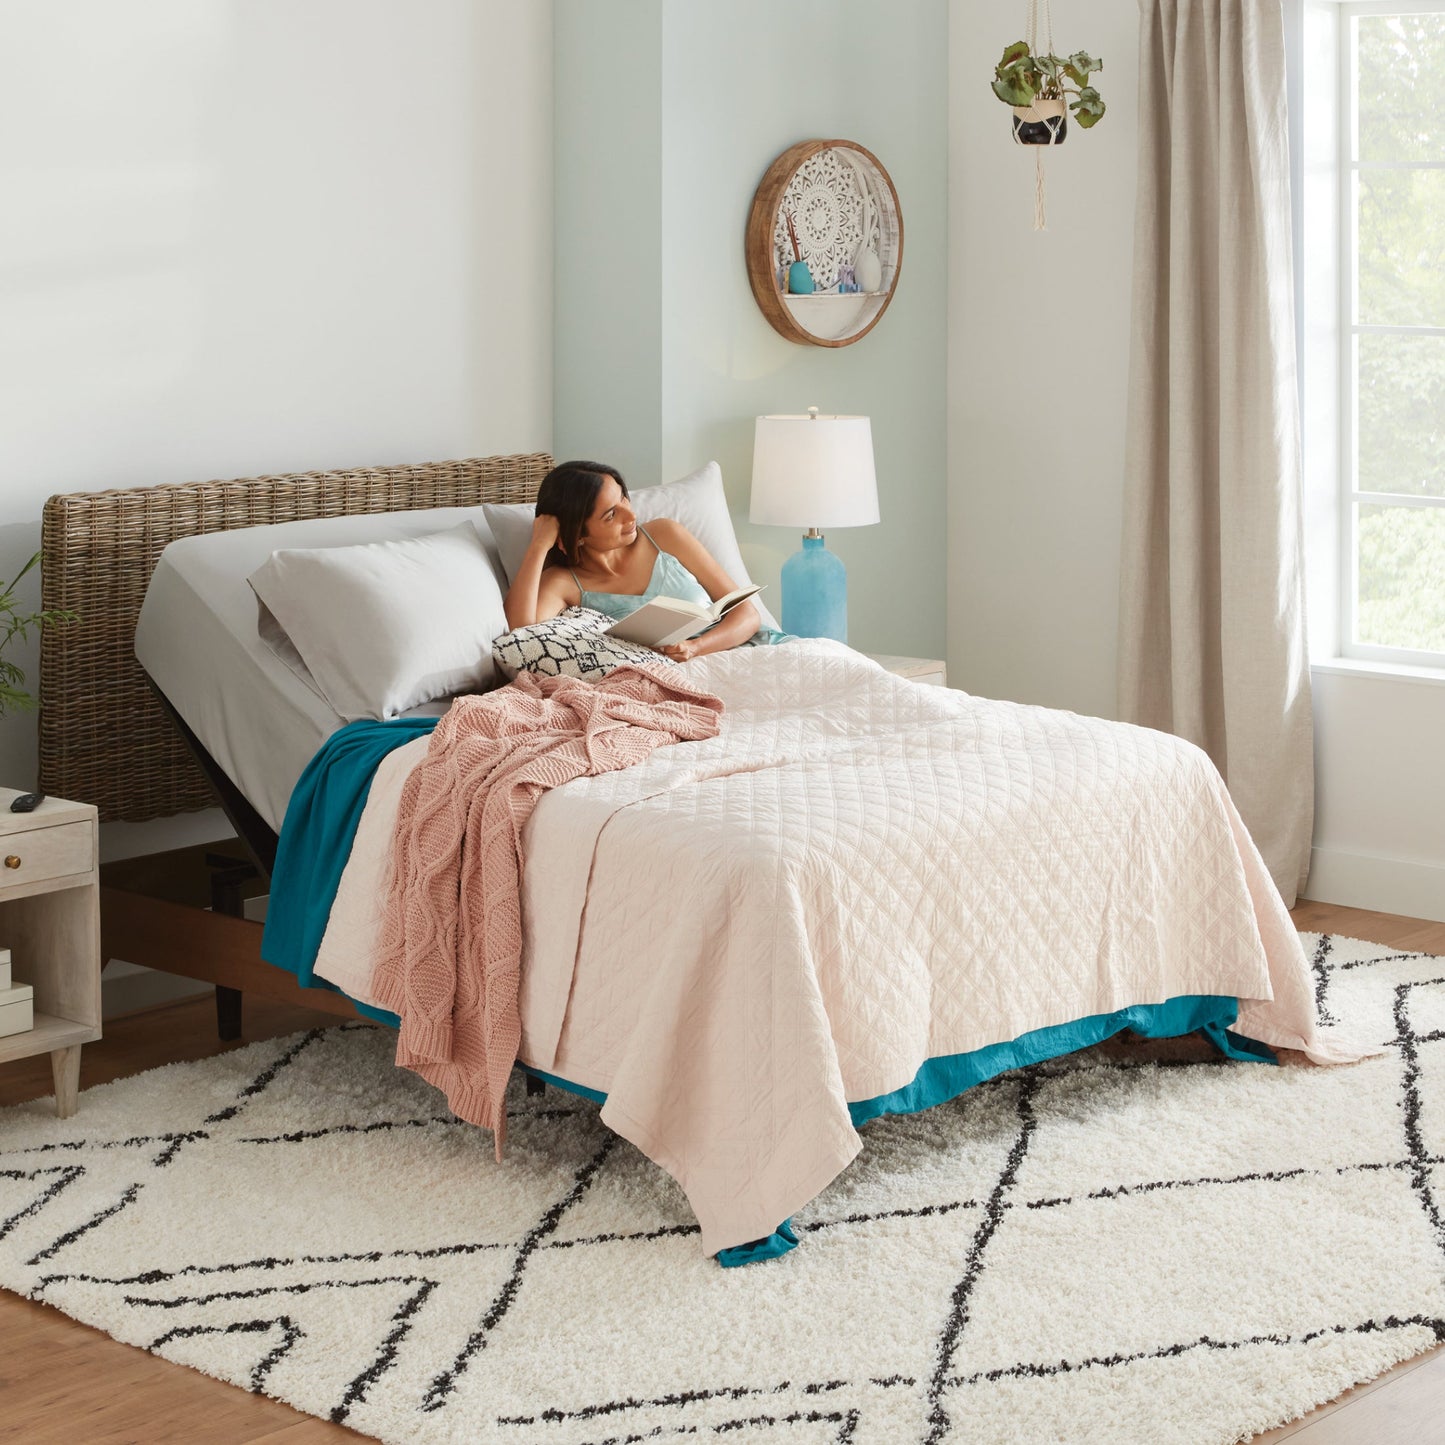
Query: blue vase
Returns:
{"type": "Point", "coordinates": [800, 279]}
{"type": "Point", "coordinates": [815, 593]}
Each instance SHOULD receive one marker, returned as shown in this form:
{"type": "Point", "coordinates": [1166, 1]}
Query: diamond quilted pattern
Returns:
{"type": "Point", "coordinates": [859, 874]}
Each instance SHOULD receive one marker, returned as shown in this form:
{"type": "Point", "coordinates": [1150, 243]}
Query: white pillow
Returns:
{"type": "Point", "coordinates": [574, 643]}
{"type": "Point", "coordinates": [384, 626]}
{"type": "Point", "coordinates": [696, 500]}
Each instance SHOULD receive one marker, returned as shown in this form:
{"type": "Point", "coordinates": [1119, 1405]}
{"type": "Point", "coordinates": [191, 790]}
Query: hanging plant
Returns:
{"type": "Point", "coordinates": [1037, 86]}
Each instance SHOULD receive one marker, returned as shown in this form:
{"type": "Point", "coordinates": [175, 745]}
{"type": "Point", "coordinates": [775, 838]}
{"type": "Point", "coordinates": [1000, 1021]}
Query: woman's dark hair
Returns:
{"type": "Point", "coordinates": [568, 492]}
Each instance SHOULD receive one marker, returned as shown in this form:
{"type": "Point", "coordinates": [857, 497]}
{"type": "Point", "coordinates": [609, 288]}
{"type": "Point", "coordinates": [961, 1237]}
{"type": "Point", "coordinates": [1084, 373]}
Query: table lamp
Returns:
{"type": "Point", "coordinates": [814, 471]}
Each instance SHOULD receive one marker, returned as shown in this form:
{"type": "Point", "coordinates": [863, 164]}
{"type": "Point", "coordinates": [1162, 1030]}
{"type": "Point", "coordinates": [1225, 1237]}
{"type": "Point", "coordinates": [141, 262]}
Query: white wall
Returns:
{"type": "Point", "coordinates": [1036, 461]}
{"type": "Point", "coordinates": [1380, 765]}
{"type": "Point", "coordinates": [1038, 353]}
{"type": "Point", "coordinates": [1380, 792]}
{"type": "Point", "coordinates": [244, 236]}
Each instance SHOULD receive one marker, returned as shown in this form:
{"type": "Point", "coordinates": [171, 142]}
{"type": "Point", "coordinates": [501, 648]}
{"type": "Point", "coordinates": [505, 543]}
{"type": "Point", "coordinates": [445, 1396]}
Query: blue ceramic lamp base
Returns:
{"type": "Point", "coordinates": [815, 593]}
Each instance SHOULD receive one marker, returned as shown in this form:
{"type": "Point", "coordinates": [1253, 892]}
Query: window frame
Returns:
{"type": "Point", "coordinates": [1351, 498]}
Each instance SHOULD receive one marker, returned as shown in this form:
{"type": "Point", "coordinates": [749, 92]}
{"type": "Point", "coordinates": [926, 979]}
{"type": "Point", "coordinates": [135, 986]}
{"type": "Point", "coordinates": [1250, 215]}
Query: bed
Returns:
{"type": "Point", "coordinates": [864, 897]}
{"type": "Point", "coordinates": [106, 735]}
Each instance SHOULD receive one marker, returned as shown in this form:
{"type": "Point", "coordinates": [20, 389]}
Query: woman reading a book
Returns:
{"type": "Point", "coordinates": [587, 550]}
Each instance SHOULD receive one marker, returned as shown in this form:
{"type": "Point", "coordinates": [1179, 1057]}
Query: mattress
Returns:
{"type": "Point", "coordinates": [198, 640]}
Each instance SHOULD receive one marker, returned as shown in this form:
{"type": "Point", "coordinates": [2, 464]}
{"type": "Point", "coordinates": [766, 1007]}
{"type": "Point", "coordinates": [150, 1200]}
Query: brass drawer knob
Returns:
{"type": "Point", "coordinates": [12, 860]}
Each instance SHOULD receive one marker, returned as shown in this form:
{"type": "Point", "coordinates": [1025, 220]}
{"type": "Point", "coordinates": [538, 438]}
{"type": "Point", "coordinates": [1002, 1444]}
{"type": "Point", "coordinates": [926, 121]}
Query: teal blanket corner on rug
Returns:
{"type": "Point", "coordinates": [316, 837]}
{"type": "Point", "coordinates": [944, 1078]}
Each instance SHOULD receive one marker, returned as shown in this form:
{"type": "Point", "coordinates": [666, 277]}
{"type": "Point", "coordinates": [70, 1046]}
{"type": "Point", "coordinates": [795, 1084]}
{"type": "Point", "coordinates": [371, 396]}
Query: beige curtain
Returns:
{"type": "Point", "coordinates": [1211, 622]}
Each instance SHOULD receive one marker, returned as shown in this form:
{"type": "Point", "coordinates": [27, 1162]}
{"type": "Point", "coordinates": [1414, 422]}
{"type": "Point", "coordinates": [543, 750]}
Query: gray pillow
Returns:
{"type": "Point", "coordinates": [572, 644]}
{"type": "Point", "coordinates": [382, 627]}
{"type": "Point", "coordinates": [696, 500]}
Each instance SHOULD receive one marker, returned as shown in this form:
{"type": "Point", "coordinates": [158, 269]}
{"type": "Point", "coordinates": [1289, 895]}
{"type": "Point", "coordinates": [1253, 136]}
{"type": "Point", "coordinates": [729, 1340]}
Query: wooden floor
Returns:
{"type": "Point", "coordinates": [63, 1383]}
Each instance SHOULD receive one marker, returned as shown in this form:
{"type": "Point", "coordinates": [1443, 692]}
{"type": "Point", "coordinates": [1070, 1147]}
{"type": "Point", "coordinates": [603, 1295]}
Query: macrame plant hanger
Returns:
{"type": "Point", "coordinates": [1055, 131]}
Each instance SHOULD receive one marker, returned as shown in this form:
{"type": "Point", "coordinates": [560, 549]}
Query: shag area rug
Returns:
{"type": "Point", "coordinates": [1117, 1246]}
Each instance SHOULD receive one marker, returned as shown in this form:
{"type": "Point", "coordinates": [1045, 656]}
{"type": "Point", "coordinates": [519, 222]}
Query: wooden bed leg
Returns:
{"type": "Point", "coordinates": [535, 1086]}
{"type": "Point", "coordinates": [228, 1012]}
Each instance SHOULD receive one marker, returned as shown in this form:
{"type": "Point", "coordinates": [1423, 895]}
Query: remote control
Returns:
{"type": "Point", "coordinates": [27, 802]}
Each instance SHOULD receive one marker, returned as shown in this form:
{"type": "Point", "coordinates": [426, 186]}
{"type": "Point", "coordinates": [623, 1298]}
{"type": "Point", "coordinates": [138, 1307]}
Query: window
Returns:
{"type": "Point", "coordinates": [1393, 331]}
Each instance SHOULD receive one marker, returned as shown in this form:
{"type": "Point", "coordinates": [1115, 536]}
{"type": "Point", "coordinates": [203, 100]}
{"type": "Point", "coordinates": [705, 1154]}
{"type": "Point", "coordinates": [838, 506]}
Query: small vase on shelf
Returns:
{"type": "Point", "coordinates": [868, 269]}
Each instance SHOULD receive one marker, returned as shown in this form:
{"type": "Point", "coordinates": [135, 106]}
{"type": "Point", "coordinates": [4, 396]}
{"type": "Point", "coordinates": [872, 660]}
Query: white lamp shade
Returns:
{"type": "Point", "coordinates": [814, 471]}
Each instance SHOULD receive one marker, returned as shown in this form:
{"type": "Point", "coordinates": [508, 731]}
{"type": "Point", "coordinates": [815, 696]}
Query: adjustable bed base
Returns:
{"type": "Point", "coordinates": [107, 736]}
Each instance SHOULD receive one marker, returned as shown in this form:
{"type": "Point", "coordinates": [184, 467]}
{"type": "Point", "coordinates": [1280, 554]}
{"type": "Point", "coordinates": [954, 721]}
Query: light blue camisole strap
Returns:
{"type": "Point", "coordinates": [669, 579]}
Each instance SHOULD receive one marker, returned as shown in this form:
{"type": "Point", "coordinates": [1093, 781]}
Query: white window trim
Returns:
{"type": "Point", "coordinates": [1393, 659]}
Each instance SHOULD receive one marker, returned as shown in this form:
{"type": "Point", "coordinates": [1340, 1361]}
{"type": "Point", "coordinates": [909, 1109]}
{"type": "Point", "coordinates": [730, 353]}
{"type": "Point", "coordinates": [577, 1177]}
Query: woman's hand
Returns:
{"type": "Point", "coordinates": [545, 531]}
{"type": "Point", "coordinates": [683, 651]}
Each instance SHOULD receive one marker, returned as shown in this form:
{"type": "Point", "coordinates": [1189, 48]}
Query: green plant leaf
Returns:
{"type": "Point", "coordinates": [1080, 65]}
{"type": "Point", "coordinates": [1014, 90]}
{"type": "Point", "coordinates": [32, 563]}
{"type": "Point", "coordinates": [15, 624]}
{"type": "Point", "coordinates": [1088, 108]}
{"type": "Point", "coordinates": [13, 700]}
{"type": "Point", "coordinates": [1016, 82]}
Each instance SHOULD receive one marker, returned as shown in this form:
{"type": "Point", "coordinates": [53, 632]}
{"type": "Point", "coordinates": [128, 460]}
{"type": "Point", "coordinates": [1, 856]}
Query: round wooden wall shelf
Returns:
{"type": "Point", "coordinates": [846, 218]}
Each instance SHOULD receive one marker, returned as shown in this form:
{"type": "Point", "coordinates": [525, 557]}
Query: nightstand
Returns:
{"type": "Point", "coordinates": [50, 922]}
{"type": "Point", "coordinates": [920, 669]}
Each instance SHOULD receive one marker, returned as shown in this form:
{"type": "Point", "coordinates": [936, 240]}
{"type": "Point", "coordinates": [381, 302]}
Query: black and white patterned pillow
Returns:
{"type": "Point", "coordinates": [572, 644]}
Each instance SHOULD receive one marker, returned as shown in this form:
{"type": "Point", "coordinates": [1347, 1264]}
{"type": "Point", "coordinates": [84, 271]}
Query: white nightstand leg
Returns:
{"type": "Point", "coordinates": [65, 1070]}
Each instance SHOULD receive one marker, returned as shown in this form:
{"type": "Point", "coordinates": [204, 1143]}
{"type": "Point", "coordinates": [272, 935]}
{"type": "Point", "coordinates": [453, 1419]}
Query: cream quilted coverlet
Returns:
{"type": "Point", "coordinates": [737, 937]}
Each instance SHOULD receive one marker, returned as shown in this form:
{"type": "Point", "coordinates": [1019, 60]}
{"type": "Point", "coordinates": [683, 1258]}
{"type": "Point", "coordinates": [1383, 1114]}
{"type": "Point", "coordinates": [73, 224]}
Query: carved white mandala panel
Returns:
{"type": "Point", "coordinates": [839, 203]}
{"type": "Point", "coordinates": [825, 200]}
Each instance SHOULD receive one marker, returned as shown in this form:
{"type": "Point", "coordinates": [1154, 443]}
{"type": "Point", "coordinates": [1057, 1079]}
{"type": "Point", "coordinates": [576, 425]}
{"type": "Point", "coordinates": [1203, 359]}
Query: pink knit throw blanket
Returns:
{"type": "Point", "coordinates": [451, 942]}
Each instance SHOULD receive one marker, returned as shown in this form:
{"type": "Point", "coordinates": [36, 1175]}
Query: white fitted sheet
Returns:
{"type": "Point", "coordinates": [197, 638]}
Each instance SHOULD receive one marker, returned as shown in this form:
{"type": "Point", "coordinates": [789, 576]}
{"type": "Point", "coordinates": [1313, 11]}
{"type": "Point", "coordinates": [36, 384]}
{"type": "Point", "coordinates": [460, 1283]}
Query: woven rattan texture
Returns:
{"type": "Point", "coordinates": [104, 738]}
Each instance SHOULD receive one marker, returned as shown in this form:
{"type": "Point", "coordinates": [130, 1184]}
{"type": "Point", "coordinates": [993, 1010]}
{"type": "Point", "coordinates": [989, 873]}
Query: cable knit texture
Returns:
{"type": "Point", "coordinates": [451, 941]}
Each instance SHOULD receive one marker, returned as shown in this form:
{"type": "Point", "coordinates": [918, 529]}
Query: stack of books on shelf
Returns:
{"type": "Point", "coordinates": [17, 1001]}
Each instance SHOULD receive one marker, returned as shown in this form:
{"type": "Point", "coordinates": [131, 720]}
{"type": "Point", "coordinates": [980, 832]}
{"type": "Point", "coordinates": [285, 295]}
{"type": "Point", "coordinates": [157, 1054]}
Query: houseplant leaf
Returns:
{"type": "Point", "coordinates": [1014, 89]}
{"type": "Point", "coordinates": [1080, 65]}
{"type": "Point", "coordinates": [14, 625]}
{"type": "Point", "coordinates": [1088, 108]}
{"type": "Point", "coordinates": [1015, 79]}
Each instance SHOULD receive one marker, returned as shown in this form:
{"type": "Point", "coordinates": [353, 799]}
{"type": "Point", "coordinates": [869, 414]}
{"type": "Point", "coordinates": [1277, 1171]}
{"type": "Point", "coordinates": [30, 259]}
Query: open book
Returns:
{"type": "Point", "coordinates": [666, 620]}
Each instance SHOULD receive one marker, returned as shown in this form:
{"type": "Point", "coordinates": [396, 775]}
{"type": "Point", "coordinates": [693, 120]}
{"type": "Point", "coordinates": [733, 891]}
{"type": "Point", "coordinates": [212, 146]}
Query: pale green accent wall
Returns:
{"type": "Point", "coordinates": [735, 86]}
{"type": "Point", "coordinates": [607, 164]}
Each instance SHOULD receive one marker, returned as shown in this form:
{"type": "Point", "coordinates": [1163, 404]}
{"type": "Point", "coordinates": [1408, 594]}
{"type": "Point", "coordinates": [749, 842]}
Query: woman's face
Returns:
{"type": "Point", "coordinates": [612, 522]}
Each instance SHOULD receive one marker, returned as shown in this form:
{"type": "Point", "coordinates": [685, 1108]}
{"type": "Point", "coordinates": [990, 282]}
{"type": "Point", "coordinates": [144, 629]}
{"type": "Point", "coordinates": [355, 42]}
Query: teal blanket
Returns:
{"type": "Point", "coordinates": [939, 1080]}
{"type": "Point", "coordinates": [316, 837]}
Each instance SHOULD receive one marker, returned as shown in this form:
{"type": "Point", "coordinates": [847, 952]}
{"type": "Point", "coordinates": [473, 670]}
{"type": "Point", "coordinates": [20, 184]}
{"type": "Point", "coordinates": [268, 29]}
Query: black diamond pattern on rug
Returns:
{"type": "Point", "coordinates": [1122, 1245]}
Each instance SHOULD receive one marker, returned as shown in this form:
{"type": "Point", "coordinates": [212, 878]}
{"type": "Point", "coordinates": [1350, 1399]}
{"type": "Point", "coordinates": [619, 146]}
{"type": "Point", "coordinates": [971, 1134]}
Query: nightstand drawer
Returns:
{"type": "Point", "coordinates": [46, 853]}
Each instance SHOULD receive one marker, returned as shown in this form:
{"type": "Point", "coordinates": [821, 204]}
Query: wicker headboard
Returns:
{"type": "Point", "coordinates": [104, 738]}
